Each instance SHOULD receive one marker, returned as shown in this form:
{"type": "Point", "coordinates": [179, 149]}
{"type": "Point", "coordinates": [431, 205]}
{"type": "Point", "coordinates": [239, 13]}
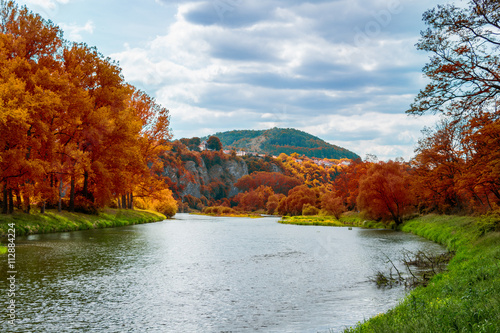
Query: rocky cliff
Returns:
{"type": "Point", "coordinates": [195, 178]}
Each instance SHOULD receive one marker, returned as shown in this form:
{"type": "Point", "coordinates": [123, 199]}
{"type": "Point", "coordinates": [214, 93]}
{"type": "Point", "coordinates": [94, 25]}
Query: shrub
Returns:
{"type": "Point", "coordinates": [308, 210]}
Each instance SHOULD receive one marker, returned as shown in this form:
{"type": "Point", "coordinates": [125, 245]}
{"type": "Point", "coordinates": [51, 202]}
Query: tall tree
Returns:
{"type": "Point", "coordinates": [384, 191]}
{"type": "Point", "coordinates": [438, 166]}
{"type": "Point", "coordinates": [464, 69]}
{"type": "Point", "coordinates": [214, 143]}
{"type": "Point", "coordinates": [31, 78]}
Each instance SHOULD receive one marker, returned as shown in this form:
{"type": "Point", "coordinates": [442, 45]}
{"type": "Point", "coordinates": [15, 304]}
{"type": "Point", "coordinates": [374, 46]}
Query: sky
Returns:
{"type": "Point", "coordinates": [343, 70]}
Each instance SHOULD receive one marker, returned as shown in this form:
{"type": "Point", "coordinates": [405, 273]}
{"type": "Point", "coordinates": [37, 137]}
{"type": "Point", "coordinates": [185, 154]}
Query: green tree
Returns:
{"type": "Point", "coordinates": [214, 143]}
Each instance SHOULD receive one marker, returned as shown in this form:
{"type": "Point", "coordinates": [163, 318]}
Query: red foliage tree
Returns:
{"type": "Point", "coordinates": [254, 200]}
{"type": "Point", "coordinates": [297, 198]}
{"type": "Point", "coordinates": [277, 181]}
{"type": "Point", "coordinates": [384, 191]}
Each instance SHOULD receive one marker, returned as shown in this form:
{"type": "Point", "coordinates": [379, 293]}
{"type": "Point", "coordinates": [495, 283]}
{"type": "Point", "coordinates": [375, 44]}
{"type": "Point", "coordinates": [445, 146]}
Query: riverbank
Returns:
{"type": "Point", "coordinates": [463, 299]}
{"type": "Point", "coordinates": [53, 221]}
{"type": "Point", "coordinates": [349, 219]}
{"type": "Point", "coordinates": [222, 211]}
{"type": "Point", "coordinates": [326, 221]}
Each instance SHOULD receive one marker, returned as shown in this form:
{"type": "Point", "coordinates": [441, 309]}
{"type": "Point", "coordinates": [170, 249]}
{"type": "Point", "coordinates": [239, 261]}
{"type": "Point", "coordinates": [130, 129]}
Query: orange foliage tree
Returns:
{"type": "Point", "coordinates": [437, 168]}
{"type": "Point", "coordinates": [384, 191]}
{"type": "Point", "coordinates": [278, 182]}
{"type": "Point", "coordinates": [332, 204]}
{"type": "Point", "coordinates": [346, 184]}
{"type": "Point", "coordinates": [69, 123]}
{"type": "Point", "coordinates": [297, 198]}
{"type": "Point", "coordinates": [254, 200]}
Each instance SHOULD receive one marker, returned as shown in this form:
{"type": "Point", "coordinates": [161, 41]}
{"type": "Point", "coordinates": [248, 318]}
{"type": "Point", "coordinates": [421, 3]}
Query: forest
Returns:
{"type": "Point", "coordinates": [73, 134]}
{"type": "Point", "coordinates": [275, 141]}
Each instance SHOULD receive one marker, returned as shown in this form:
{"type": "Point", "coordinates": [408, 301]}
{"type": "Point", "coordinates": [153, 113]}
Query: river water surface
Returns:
{"type": "Point", "coordinates": [203, 274]}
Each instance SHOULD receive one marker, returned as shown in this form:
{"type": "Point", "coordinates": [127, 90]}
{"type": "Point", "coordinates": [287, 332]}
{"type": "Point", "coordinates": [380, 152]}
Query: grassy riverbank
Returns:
{"type": "Point", "coordinates": [463, 299]}
{"type": "Point", "coordinates": [53, 221]}
{"type": "Point", "coordinates": [327, 221]}
{"type": "Point", "coordinates": [222, 211]}
{"type": "Point", "coordinates": [349, 219]}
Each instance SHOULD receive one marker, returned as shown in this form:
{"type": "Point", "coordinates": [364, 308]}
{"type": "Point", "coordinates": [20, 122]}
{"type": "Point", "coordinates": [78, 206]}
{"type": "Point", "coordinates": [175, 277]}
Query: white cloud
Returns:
{"type": "Point", "coordinates": [275, 63]}
{"type": "Point", "coordinates": [47, 8]}
{"type": "Point", "coordinates": [74, 32]}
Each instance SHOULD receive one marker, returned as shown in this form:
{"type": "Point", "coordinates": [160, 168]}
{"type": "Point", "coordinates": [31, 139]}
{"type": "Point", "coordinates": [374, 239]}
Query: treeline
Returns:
{"type": "Point", "coordinates": [283, 140]}
{"type": "Point", "coordinates": [436, 180]}
{"type": "Point", "coordinates": [73, 134]}
{"type": "Point", "coordinates": [457, 165]}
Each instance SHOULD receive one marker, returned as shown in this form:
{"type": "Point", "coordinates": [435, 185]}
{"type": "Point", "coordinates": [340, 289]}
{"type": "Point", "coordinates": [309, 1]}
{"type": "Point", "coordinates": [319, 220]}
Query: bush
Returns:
{"type": "Point", "coordinates": [489, 222]}
{"type": "Point", "coordinates": [308, 210]}
{"type": "Point", "coordinates": [219, 210]}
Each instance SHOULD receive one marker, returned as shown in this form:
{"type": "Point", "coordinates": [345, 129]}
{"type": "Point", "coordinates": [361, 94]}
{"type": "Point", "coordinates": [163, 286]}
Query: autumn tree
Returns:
{"type": "Point", "coordinates": [30, 100]}
{"type": "Point", "coordinates": [273, 202]}
{"type": "Point", "coordinates": [384, 191]}
{"type": "Point", "coordinates": [332, 204]}
{"type": "Point", "coordinates": [346, 183]}
{"type": "Point", "coordinates": [464, 73]}
{"type": "Point", "coordinates": [438, 165]}
{"type": "Point", "coordinates": [277, 181]}
{"type": "Point", "coordinates": [480, 176]}
{"type": "Point", "coordinates": [255, 199]}
{"type": "Point", "coordinates": [297, 198]}
{"type": "Point", "coordinates": [70, 123]}
{"type": "Point", "coordinates": [193, 144]}
{"type": "Point", "coordinates": [464, 69]}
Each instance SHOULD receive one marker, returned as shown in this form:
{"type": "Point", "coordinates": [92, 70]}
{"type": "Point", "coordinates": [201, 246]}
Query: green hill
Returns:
{"type": "Point", "coordinates": [282, 140]}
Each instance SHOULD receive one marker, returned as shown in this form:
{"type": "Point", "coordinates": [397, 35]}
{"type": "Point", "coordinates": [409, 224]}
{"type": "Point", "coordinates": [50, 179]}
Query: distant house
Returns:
{"type": "Point", "coordinates": [203, 146]}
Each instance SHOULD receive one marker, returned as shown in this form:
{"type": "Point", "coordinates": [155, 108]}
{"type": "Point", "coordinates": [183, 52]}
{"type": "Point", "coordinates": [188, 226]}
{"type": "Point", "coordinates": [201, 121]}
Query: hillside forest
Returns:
{"type": "Point", "coordinates": [74, 135]}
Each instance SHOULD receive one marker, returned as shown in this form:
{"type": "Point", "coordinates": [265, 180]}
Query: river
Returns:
{"type": "Point", "coordinates": [203, 274]}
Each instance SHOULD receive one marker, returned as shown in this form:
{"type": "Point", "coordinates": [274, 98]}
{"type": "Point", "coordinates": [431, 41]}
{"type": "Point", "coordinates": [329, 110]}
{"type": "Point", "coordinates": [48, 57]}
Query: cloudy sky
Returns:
{"type": "Point", "coordinates": [343, 70]}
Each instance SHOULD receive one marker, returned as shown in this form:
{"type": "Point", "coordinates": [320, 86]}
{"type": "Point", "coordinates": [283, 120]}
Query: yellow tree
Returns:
{"type": "Point", "coordinates": [29, 46]}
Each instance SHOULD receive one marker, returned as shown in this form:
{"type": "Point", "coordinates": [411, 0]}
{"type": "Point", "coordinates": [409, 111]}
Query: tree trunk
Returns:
{"type": "Point", "coordinates": [124, 202]}
{"type": "Point", "coordinates": [11, 202]}
{"type": "Point", "coordinates": [5, 201]}
{"type": "Point", "coordinates": [71, 207]}
{"type": "Point", "coordinates": [86, 185]}
{"type": "Point", "coordinates": [19, 202]}
{"type": "Point", "coordinates": [131, 203]}
{"type": "Point", "coordinates": [27, 203]}
{"type": "Point", "coordinates": [59, 203]}
{"type": "Point", "coordinates": [42, 209]}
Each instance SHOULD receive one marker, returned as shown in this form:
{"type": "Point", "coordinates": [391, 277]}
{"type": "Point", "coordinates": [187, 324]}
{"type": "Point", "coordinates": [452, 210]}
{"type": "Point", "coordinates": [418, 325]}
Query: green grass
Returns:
{"type": "Point", "coordinates": [53, 221]}
{"type": "Point", "coordinates": [328, 221]}
{"type": "Point", "coordinates": [347, 219]}
{"type": "Point", "coordinates": [463, 299]}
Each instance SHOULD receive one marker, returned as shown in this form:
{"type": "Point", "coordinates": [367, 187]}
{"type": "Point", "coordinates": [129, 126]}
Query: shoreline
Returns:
{"type": "Point", "coordinates": [347, 220]}
{"type": "Point", "coordinates": [464, 297]}
{"type": "Point", "coordinates": [54, 222]}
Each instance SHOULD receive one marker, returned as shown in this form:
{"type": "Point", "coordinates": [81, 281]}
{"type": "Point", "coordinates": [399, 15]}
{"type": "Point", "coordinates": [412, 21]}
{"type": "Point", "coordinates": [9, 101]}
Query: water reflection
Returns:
{"type": "Point", "coordinates": [202, 274]}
